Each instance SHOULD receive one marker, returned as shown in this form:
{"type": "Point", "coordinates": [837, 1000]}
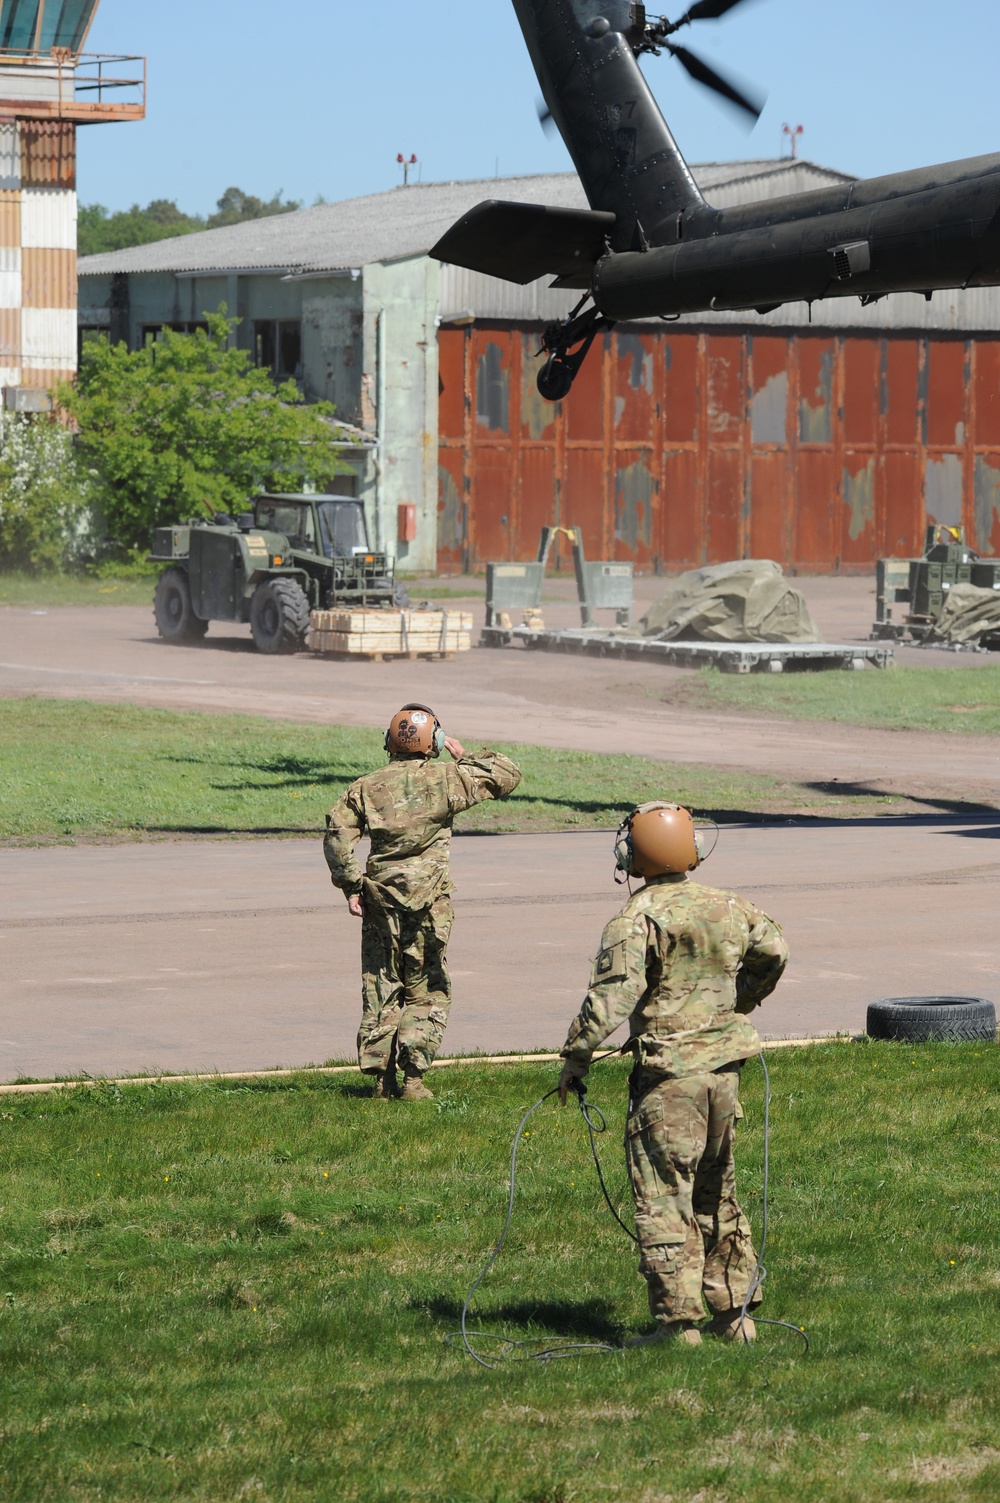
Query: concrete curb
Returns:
{"type": "Point", "coordinates": [34, 1088]}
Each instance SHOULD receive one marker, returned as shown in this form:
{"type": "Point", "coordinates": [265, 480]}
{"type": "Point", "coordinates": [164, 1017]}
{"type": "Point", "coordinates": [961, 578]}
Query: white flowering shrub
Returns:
{"type": "Point", "coordinates": [47, 519]}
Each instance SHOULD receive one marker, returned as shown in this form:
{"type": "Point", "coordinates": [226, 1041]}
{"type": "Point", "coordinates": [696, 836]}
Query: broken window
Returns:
{"type": "Point", "coordinates": [278, 347]}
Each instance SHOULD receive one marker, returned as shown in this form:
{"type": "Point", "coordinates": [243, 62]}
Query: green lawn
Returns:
{"type": "Point", "coordinates": [71, 769]}
{"type": "Point", "coordinates": [963, 700]}
{"type": "Point", "coordinates": [234, 1291]}
{"type": "Point", "coordinates": [49, 591]}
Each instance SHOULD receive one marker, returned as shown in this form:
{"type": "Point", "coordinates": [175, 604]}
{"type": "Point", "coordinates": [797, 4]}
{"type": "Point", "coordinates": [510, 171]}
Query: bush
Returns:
{"type": "Point", "coordinates": [46, 515]}
{"type": "Point", "coordinates": [187, 425]}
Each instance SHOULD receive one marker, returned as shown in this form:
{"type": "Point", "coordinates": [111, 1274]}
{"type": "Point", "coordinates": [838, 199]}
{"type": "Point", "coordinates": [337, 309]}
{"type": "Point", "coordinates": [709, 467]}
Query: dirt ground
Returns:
{"type": "Point", "coordinates": [236, 955]}
{"type": "Point", "coordinates": [113, 654]}
{"type": "Point", "coordinates": [240, 955]}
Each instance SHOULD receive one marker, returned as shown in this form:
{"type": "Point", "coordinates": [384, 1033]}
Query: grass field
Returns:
{"type": "Point", "coordinates": [50, 591]}
{"type": "Point", "coordinates": [243, 1292]}
{"type": "Point", "coordinates": [961, 700]}
{"type": "Point", "coordinates": [70, 769]}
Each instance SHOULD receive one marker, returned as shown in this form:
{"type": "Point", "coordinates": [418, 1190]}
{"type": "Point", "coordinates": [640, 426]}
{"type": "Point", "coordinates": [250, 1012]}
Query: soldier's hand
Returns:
{"type": "Point", "coordinates": [567, 1080]}
{"type": "Point", "coordinates": [356, 905]}
{"type": "Point", "coordinates": [454, 747]}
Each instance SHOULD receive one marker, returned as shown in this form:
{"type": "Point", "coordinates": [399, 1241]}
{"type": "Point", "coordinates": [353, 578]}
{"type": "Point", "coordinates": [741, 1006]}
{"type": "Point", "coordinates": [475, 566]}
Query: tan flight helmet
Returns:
{"type": "Point", "coordinates": [658, 839]}
{"type": "Point", "coordinates": [414, 731]}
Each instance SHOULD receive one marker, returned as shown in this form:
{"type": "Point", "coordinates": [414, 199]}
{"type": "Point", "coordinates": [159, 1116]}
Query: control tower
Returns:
{"type": "Point", "coordinates": [48, 86]}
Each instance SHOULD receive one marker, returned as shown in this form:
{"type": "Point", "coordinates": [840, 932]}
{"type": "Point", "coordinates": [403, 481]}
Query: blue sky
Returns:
{"type": "Point", "coordinates": [317, 96]}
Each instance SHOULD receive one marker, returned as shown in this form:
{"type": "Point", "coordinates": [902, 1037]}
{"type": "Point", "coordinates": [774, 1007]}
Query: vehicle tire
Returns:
{"type": "Point", "coordinates": [400, 596]}
{"type": "Point", "coordinates": [172, 610]}
{"type": "Point", "coordinates": [279, 616]}
{"type": "Point", "coordinates": [920, 1020]}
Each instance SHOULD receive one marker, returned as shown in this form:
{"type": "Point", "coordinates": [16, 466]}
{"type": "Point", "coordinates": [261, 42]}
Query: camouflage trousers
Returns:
{"type": "Point", "coordinates": [405, 986]}
{"type": "Point", "coordinates": [694, 1240]}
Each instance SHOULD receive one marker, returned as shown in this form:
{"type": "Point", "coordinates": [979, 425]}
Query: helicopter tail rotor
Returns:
{"type": "Point", "coordinates": [657, 33]}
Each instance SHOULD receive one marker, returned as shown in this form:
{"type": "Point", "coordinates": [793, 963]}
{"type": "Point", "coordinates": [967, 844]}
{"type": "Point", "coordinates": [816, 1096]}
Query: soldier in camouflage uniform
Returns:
{"type": "Point", "coordinates": [683, 964]}
{"type": "Point", "coordinates": [404, 896]}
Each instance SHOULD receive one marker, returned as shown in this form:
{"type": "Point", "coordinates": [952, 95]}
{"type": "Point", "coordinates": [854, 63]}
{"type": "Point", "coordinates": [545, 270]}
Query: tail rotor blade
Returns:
{"type": "Point", "coordinates": [545, 119]}
{"type": "Point", "coordinates": [703, 74]}
{"type": "Point", "coordinates": [708, 10]}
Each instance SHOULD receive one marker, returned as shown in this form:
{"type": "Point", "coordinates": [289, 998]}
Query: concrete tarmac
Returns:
{"type": "Point", "coordinates": [239, 954]}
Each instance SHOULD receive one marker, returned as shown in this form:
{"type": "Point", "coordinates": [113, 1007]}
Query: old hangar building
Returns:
{"type": "Point", "coordinates": [823, 437]}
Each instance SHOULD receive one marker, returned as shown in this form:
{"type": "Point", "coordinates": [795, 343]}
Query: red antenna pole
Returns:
{"type": "Point", "coordinates": [793, 135]}
{"type": "Point", "coordinates": [406, 163]}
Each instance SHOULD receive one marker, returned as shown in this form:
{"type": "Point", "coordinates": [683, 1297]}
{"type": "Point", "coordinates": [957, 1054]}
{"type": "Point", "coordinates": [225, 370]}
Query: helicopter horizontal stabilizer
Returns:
{"type": "Point", "coordinates": [522, 242]}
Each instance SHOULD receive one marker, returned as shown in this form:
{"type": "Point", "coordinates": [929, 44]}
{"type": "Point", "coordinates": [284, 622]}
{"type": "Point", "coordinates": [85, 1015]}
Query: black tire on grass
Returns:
{"type": "Point", "coordinates": [921, 1020]}
{"type": "Point", "coordinates": [172, 609]}
{"type": "Point", "coordinates": [279, 616]}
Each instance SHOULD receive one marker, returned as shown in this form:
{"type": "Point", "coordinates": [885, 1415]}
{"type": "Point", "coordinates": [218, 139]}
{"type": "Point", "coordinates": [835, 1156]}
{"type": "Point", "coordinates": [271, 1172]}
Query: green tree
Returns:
{"type": "Point", "coordinates": [45, 496]}
{"type": "Point", "coordinates": [187, 425]}
{"type": "Point", "coordinates": [99, 232]}
{"type": "Point", "coordinates": [235, 206]}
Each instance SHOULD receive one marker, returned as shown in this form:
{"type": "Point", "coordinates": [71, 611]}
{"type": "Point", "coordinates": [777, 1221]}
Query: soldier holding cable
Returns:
{"type": "Point", "coordinates": [683, 964]}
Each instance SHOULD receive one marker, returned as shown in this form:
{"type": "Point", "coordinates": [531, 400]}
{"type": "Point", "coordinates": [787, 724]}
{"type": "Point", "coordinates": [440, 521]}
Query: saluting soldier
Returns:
{"type": "Point", "coordinates": [403, 898]}
{"type": "Point", "coordinates": [683, 964]}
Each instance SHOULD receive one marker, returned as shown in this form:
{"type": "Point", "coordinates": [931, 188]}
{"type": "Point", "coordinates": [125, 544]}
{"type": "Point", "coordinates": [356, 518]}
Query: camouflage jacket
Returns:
{"type": "Point", "coordinates": [407, 808]}
{"type": "Point", "coordinates": [683, 963]}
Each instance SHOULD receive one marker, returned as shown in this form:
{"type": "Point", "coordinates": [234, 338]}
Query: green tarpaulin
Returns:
{"type": "Point", "coordinates": [746, 601]}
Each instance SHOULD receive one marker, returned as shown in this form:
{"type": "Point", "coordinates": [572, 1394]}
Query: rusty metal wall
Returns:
{"type": "Point", "coordinates": [48, 153]}
{"type": "Point", "coordinates": [680, 448]}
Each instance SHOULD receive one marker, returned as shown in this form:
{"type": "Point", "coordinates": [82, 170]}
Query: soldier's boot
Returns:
{"type": "Point", "coordinates": [731, 1325]}
{"type": "Point", "coordinates": [683, 1331]}
{"type": "Point", "coordinates": [413, 1086]}
{"type": "Point", "coordinates": [387, 1086]}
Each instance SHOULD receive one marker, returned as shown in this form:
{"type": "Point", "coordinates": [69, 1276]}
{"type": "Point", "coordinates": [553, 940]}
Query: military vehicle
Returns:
{"type": "Point", "coordinates": [271, 566]}
{"type": "Point", "coordinates": [923, 585]}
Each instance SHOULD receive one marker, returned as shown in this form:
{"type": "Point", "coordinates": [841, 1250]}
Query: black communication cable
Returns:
{"type": "Point", "coordinates": [510, 1349]}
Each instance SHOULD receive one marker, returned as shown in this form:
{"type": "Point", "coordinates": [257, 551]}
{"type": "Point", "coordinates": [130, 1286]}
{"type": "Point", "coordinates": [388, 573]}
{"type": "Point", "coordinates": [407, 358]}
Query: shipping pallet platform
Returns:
{"type": "Point", "coordinates": [387, 655]}
{"type": "Point", "coordinates": [728, 657]}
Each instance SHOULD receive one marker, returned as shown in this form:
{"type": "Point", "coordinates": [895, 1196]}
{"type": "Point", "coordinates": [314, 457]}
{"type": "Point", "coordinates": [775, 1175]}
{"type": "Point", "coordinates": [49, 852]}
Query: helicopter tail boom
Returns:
{"type": "Point", "coordinates": [584, 54]}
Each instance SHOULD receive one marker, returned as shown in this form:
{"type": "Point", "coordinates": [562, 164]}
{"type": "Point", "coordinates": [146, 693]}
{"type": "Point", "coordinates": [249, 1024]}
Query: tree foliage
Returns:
{"type": "Point", "coordinates": [187, 425]}
{"type": "Point", "coordinates": [46, 513]}
{"type": "Point", "coordinates": [99, 231]}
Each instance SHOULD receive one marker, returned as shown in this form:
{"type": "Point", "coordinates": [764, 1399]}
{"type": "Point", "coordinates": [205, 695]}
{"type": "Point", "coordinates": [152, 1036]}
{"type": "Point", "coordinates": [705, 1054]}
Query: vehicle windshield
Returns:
{"type": "Point", "coordinates": [342, 524]}
{"type": "Point", "coordinates": [289, 517]}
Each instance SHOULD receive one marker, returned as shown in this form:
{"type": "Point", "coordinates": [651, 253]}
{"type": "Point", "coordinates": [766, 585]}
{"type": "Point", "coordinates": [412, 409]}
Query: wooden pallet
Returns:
{"type": "Point", "coordinates": [375, 635]}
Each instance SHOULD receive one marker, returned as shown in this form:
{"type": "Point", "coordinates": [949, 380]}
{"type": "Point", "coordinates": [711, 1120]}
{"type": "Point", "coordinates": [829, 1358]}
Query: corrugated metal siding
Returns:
{"type": "Point", "coordinates": [48, 218]}
{"type": "Point", "coordinates": [10, 280]}
{"type": "Point", "coordinates": [48, 338]}
{"type": "Point", "coordinates": [10, 158]}
{"type": "Point", "coordinates": [45, 378]}
{"type": "Point", "coordinates": [678, 448]}
{"type": "Point", "coordinates": [10, 336]}
{"type": "Point", "coordinates": [48, 278]}
{"type": "Point", "coordinates": [48, 154]}
{"type": "Point", "coordinates": [10, 219]}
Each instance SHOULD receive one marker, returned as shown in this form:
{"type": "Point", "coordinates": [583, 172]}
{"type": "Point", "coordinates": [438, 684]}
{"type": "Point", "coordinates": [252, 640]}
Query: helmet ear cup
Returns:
{"type": "Point", "coordinates": [699, 845]}
{"type": "Point", "coordinates": [439, 739]}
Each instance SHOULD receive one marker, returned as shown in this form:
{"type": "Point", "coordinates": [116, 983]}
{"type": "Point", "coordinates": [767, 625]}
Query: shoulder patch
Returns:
{"type": "Point", "coordinates": [610, 965]}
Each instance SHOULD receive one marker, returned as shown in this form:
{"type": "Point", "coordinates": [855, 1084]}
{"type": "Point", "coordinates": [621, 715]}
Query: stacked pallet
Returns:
{"type": "Point", "coordinates": [378, 634]}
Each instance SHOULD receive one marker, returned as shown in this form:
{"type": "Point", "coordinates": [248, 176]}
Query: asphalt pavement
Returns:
{"type": "Point", "coordinates": [230, 955]}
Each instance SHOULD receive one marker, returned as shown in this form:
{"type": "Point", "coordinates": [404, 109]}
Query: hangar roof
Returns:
{"type": "Point", "coordinates": [406, 222]}
{"type": "Point", "coordinates": [401, 223]}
